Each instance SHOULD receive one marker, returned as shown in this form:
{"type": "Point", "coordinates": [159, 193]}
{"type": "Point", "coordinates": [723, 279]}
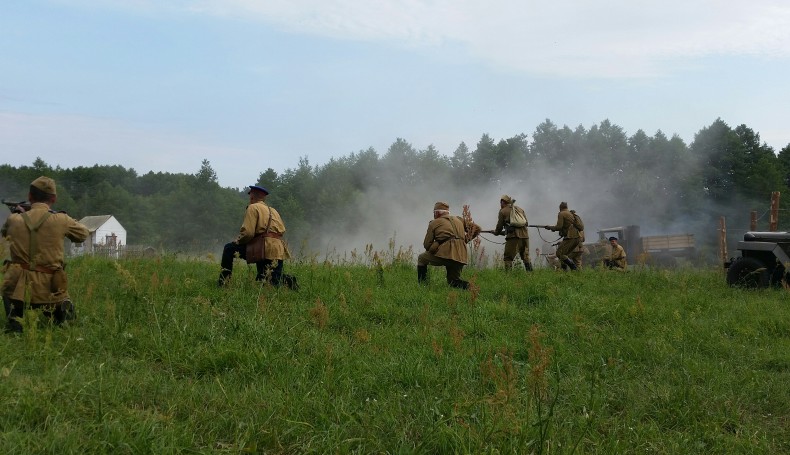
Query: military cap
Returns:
{"type": "Point", "coordinates": [259, 188]}
{"type": "Point", "coordinates": [45, 184]}
{"type": "Point", "coordinates": [506, 198]}
{"type": "Point", "coordinates": [441, 206]}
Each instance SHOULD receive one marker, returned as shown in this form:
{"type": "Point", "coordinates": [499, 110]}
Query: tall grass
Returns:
{"type": "Point", "coordinates": [362, 359]}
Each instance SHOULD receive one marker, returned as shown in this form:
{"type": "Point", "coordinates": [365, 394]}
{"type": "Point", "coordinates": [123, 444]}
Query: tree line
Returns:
{"type": "Point", "coordinates": [640, 177]}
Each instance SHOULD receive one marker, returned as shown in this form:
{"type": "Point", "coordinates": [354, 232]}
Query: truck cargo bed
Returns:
{"type": "Point", "coordinates": [668, 242]}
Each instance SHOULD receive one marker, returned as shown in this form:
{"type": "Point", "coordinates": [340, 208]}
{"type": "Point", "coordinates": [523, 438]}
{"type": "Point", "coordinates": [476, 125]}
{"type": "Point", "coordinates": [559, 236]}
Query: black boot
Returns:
{"type": "Point", "coordinates": [290, 281]}
{"type": "Point", "coordinates": [13, 310]}
{"type": "Point", "coordinates": [528, 266]}
{"type": "Point", "coordinates": [422, 274]}
{"type": "Point", "coordinates": [64, 311]}
{"type": "Point", "coordinates": [571, 265]}
{"type": "Point", "coordinates": [460, 284]}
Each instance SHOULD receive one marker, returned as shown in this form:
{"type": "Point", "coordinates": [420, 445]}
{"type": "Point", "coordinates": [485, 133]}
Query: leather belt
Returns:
{"type": "Point", "coordinates": [38, 268]}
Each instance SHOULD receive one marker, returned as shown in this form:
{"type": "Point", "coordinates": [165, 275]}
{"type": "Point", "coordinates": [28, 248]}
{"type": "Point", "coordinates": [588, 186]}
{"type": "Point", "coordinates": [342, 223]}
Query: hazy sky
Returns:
{"type": "Point", "coordinates": [251, 84]}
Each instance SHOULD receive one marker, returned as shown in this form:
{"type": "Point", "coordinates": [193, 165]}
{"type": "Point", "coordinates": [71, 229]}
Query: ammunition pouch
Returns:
{"type": "Point", "coordinates": [256, 249]}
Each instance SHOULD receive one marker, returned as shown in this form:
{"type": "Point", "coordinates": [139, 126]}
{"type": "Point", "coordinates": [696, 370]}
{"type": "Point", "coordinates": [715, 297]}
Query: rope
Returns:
{"type": "Point", "coordinates": [496, 243]}
{"type": "Point", "coordinates": [546, 241]}
{"type": "Point", "coordinates": [541, 237]}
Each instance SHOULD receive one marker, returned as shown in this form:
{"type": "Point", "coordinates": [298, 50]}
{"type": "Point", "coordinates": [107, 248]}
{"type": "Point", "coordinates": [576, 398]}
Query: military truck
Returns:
{"type": "Point", "coordinates": [764, 257]}
{"type": "Point", "coordinates": [654, 250]}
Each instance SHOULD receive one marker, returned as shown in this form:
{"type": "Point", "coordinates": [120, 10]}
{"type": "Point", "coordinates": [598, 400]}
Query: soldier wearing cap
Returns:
{"type": "Point", "coordinates": [571, 236]}
{"type": "Point", "coordinates": [516, 238]}
{"type": "Point", "coordinates": [260, 220]}
{"type": "Point", "coordinates": [35, 276]}
{"type": "Point", "coordinates": [445, 245]}
{"type": "Point", "coordinates": [616, 259]}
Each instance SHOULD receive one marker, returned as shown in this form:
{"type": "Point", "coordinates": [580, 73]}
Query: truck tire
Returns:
{"type": "Point", "coordinates": [748, 273]}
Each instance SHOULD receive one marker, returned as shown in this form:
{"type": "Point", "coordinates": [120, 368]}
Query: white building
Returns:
{"type": "Point", "coordinates": [106, 234]}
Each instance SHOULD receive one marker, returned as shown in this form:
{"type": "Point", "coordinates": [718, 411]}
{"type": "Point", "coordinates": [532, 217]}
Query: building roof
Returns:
{"type": "Point", "coordinates": [95, 222]}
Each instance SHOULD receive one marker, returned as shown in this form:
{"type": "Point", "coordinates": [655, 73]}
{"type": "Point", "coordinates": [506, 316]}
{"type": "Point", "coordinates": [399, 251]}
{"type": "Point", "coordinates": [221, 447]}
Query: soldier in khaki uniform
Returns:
{"type": "Point", "coordinates": [616, 259]}
{"type": "Point", "coordinates": [259, 220]}
{"type": "Point", "coordinates": [445, 245]}
{"type": "Point", "coordinates": [570, 236]}
{"type": "Point", "coordinates": [36, 275]}
{"type": "Point", "coordinates": [516, 238]}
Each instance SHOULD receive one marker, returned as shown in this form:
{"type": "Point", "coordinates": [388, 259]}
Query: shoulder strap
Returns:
{"type": "Point", "coordinates": [452, 225]}
{"type": "Point", "coordinates": [33, 241]}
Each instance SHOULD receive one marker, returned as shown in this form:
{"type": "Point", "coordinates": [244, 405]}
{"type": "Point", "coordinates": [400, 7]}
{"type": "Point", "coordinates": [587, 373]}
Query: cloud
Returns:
{"type": "Point", "coordinates": [610, 38]}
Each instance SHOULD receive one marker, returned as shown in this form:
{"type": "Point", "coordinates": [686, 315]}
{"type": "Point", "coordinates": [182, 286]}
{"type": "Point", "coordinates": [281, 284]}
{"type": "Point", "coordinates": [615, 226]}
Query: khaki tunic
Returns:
{"type": "Point", "coordinates": [571, 236]}
{"type": "Point", "coordinates": [618, 256]}
{"type": "Point", "coordinates": [449, 232]}
{"type": "Point", "coordinates": [49, 255]}
{"type": "Point", "coordinates": [565, 225]}
{"type": "Point", "coordinates": [256, 218]}
{"type": "Point", "coordinates": [504, 217]}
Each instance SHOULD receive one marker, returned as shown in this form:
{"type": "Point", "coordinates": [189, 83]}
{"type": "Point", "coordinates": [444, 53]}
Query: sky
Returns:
{"type": "Point", "coordinates": [249, 85]}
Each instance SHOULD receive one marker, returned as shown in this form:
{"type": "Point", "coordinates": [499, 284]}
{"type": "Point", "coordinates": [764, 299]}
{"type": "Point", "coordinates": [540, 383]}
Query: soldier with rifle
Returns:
{"type": "Point", "coordinates": [570, 228]}
{"type": "Point", "coordinates": [17, 207]}
{"type": "Point", "coordinates": [616, 259]}
{"type": "Point", "coordinates": [35, 276]}
{"type": "Point", "coordinates": [516, 233]}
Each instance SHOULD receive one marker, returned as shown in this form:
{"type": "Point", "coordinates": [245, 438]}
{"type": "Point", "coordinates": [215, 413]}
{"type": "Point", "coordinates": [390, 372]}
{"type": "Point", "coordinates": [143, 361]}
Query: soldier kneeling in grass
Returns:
{"type": "Point", "coordinates": [616, 259]}
{"type": "Point", "coordinates": [37, 265]}
{"type": "Point", "coordinates": [445, 245]}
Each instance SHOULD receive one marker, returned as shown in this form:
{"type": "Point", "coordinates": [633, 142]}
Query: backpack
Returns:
{"type": "Point", "coordinates": [577, 221]}
{"type": "Point", "coordinates": [517, 217]}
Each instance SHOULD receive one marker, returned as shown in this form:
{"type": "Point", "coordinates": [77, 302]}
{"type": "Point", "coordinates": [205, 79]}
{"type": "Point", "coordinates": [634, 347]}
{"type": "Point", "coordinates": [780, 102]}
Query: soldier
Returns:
{"type": "Point", "coordinates": [261, 224]}
{"type": "Point", "coordinates": [516, 238]}
{"type": "Point", "coordinates": [37, 262]}
{"type": "Point", "coordinates": [566, 225]}
{"type": "Point", "coordinates": [617, 258]}
{"type": "Point", "coordinates": [445, 245]}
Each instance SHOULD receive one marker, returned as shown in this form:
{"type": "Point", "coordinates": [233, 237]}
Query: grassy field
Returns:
{"type": "Point", "coordinates": [364, 360]}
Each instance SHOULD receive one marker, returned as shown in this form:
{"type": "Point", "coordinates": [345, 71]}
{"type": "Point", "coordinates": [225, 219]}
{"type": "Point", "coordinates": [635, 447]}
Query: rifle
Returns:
{"type": "Point", "coordinates": [17, 207]}
{"type": "Point", "coordinates": [540, 226]}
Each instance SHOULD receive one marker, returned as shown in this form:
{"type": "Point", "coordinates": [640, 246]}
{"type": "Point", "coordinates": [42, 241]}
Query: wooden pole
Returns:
{"type": "Point", "coordinates": [723, 239]}
{"type": "Point", "coordinates": [774, 222]}
{"type": "Point", "coordinates": [753, 221]}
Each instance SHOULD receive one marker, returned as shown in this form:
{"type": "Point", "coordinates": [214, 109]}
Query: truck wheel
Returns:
{"type": "Point", "coordinates": [748, 273]}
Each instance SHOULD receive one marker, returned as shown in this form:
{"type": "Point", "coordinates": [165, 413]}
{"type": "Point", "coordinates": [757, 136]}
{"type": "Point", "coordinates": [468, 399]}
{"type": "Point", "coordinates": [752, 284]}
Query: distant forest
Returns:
{"type": "Point", "coordinates": [612, 177]}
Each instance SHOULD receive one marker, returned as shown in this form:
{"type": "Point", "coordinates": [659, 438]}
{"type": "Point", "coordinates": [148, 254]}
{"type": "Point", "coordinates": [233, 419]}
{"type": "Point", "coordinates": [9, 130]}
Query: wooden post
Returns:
{"type": "Point", "coordinates": [774, 222]}
{"type": "Point", "coordinates": [753, 221]}
{"type": "Point", "coordinates": [723, 240]}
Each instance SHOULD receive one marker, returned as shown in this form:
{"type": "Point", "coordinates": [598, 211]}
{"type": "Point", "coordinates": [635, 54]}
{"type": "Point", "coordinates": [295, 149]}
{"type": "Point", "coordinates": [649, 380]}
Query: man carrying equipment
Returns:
{"type": "Point", "coordinates": [568, 229]}
{"type": "Point", "coordinates": [516, 233]}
